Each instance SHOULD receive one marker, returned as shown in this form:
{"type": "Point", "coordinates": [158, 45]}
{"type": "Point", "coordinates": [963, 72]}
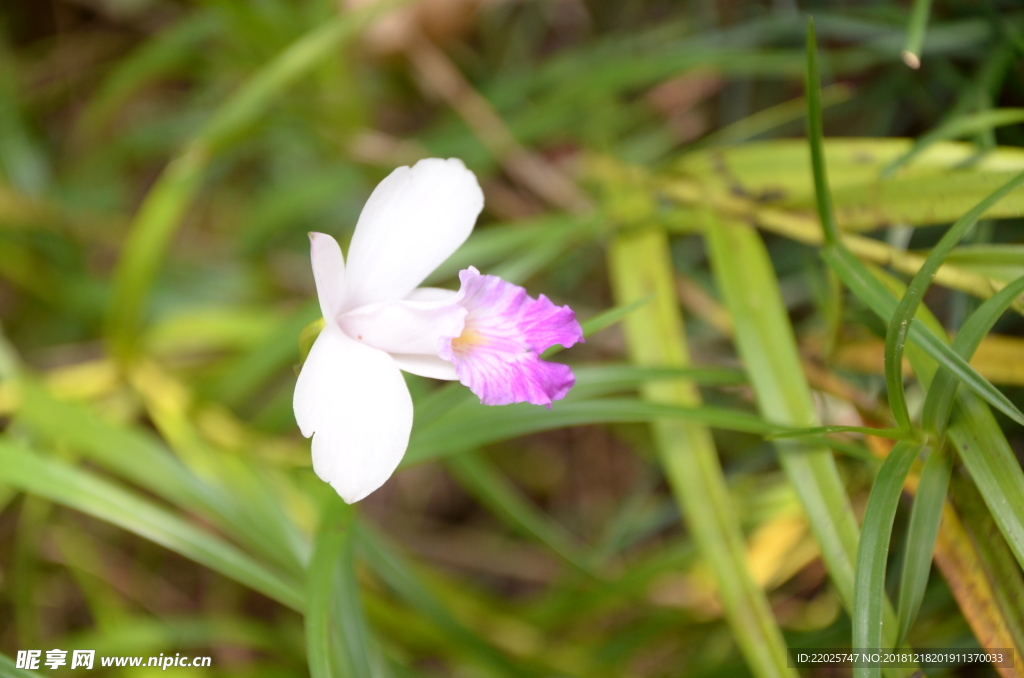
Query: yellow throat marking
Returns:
{"type": "Point", "coordinates": [467, 340]}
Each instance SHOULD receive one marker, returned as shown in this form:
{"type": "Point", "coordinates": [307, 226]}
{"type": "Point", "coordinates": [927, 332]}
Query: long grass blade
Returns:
{"type": "Point", "coordinates": [474, 425]}
{"type": "Point", "coordinates": [939, 402]}
{"type": "Point", "coordinates": [996, 564]}
{"type": "Point", "coordinates": [456, 404]}
{"type": "Point", "coordinates": [903, 316]}
{"type": "Point", "coordinates": [90, 494]}
{"type": "Point", "coordinates": [869, 583]}
{"type": "Point", "coordinates": [979, 441]}
{"type": "Point", "coordinates": [593, 381]}
{"type": "Point", "coordinates": [766, 342]}
{"type": "Point", "coordinates": [640, 266]}
{"type": "Point", "coordinates": [977, 571]}
{"type": "Point", "coordinates": [889, 433]}
{"type": "Point", "coordinates": [816, 139]}
{"type": "Point", "coordinates": [140, 459]}
{"type": "Point", "coordinates": [337, 645]}
{"type": "Point", "coordinates": [957, 128]}
{"type": "Point", "coordinates": [983, 448]}
{"type": "Point", "coordinates": [963, 564]}
{"type": "Point", "coordinates": [856, 276]}
{"type": "Point", "coordinates": [1004, 261]}
{"type": "Point", "coordinates": [925, 517]}
{"type": "Point", "coordinates": [261, 518]}
{"type": "Point", "coordinates": [129, 453]}
{"type": "Point", "coordinates": [869, 607]}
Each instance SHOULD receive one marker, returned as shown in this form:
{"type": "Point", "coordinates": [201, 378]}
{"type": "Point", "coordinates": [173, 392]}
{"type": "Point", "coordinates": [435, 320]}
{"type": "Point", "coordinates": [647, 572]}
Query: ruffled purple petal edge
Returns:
{"type": "Point", "coordinates": [503, 366]}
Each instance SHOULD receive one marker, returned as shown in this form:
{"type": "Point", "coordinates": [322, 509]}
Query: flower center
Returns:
{"type": "Point", "coordinates": [467, 340]}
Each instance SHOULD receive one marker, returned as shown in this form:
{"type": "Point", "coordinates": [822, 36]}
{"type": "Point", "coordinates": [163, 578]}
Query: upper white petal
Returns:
{"type": "Point", "coordinates": [354, 402]}
{"type": "Point", "coordinates": [328, 272]}
{"type": "Point", "coordinates": [405, 326]}
{"type": "Point", "coordinates": [414, 220]}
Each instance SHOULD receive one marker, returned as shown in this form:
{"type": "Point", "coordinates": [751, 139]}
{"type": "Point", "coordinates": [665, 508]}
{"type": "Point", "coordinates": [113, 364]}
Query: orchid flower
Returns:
{"type": "Point", "coordinates": [350, 395]}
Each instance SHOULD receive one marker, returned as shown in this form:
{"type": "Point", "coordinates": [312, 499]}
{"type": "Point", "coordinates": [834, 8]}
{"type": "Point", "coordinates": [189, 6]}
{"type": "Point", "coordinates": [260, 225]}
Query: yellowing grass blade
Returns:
{"type": "Point", "coordinates": [640, 267]}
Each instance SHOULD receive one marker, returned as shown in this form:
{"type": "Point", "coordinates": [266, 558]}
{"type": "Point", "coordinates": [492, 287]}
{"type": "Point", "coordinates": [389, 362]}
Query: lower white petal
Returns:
{"type": "Point", "coordinates": [426, 366]}
{"type": "Point", "coordinates": [353, 401]}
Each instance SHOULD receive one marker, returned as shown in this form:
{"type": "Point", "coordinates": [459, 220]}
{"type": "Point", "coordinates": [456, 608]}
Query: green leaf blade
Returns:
{"type": "Point", "coordinates": [90, 494]}
{"type": "Point", "coordinates": [641, 266]}
{"type": "Point", "coordinates": [474, 425]}
{"type": "Point", "coordinates": [903, 317]}
{"type": "Point", "coordinates": [868, 289]}
{"type": "Point", "coordinates": [958, 127]}
{"type": "Point", "coordinates": [815, 138]}
{"type": "Point", "coordinates": [941, 394]}
{"type": "Point", "coordinates": [925, 517]}
{"type": "Point", "coordinates": [337, 637]}
{"type": "Point", "coordinates": [869, 583]}
{"type": "Point", "coordinates": [992, 464]}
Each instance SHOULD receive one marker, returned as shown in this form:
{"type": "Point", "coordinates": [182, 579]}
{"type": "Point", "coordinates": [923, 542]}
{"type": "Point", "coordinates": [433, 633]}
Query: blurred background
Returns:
{"type": "Point", "coordinates": [161, 162]}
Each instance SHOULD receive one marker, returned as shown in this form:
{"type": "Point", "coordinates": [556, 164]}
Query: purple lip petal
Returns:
{"type": "Point", "coordinates": [498, 353]}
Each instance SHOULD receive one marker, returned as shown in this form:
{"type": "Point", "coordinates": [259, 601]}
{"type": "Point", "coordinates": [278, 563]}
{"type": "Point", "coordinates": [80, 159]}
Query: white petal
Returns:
{"type": "Point", "coordinates": [426, 366]}
{"type": "Point", "coordinates": [432, 294]}
{"type": "Point", "coordinates": [354, 402]}
{"type": "Point", "coordinates": [430, 366]}
{"type": "Point", "coordinates": [405, 326]}
{"type": "Point", "coordinates": [328, 272]}
{"type": "Point", "coordinates": [414, 220]}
